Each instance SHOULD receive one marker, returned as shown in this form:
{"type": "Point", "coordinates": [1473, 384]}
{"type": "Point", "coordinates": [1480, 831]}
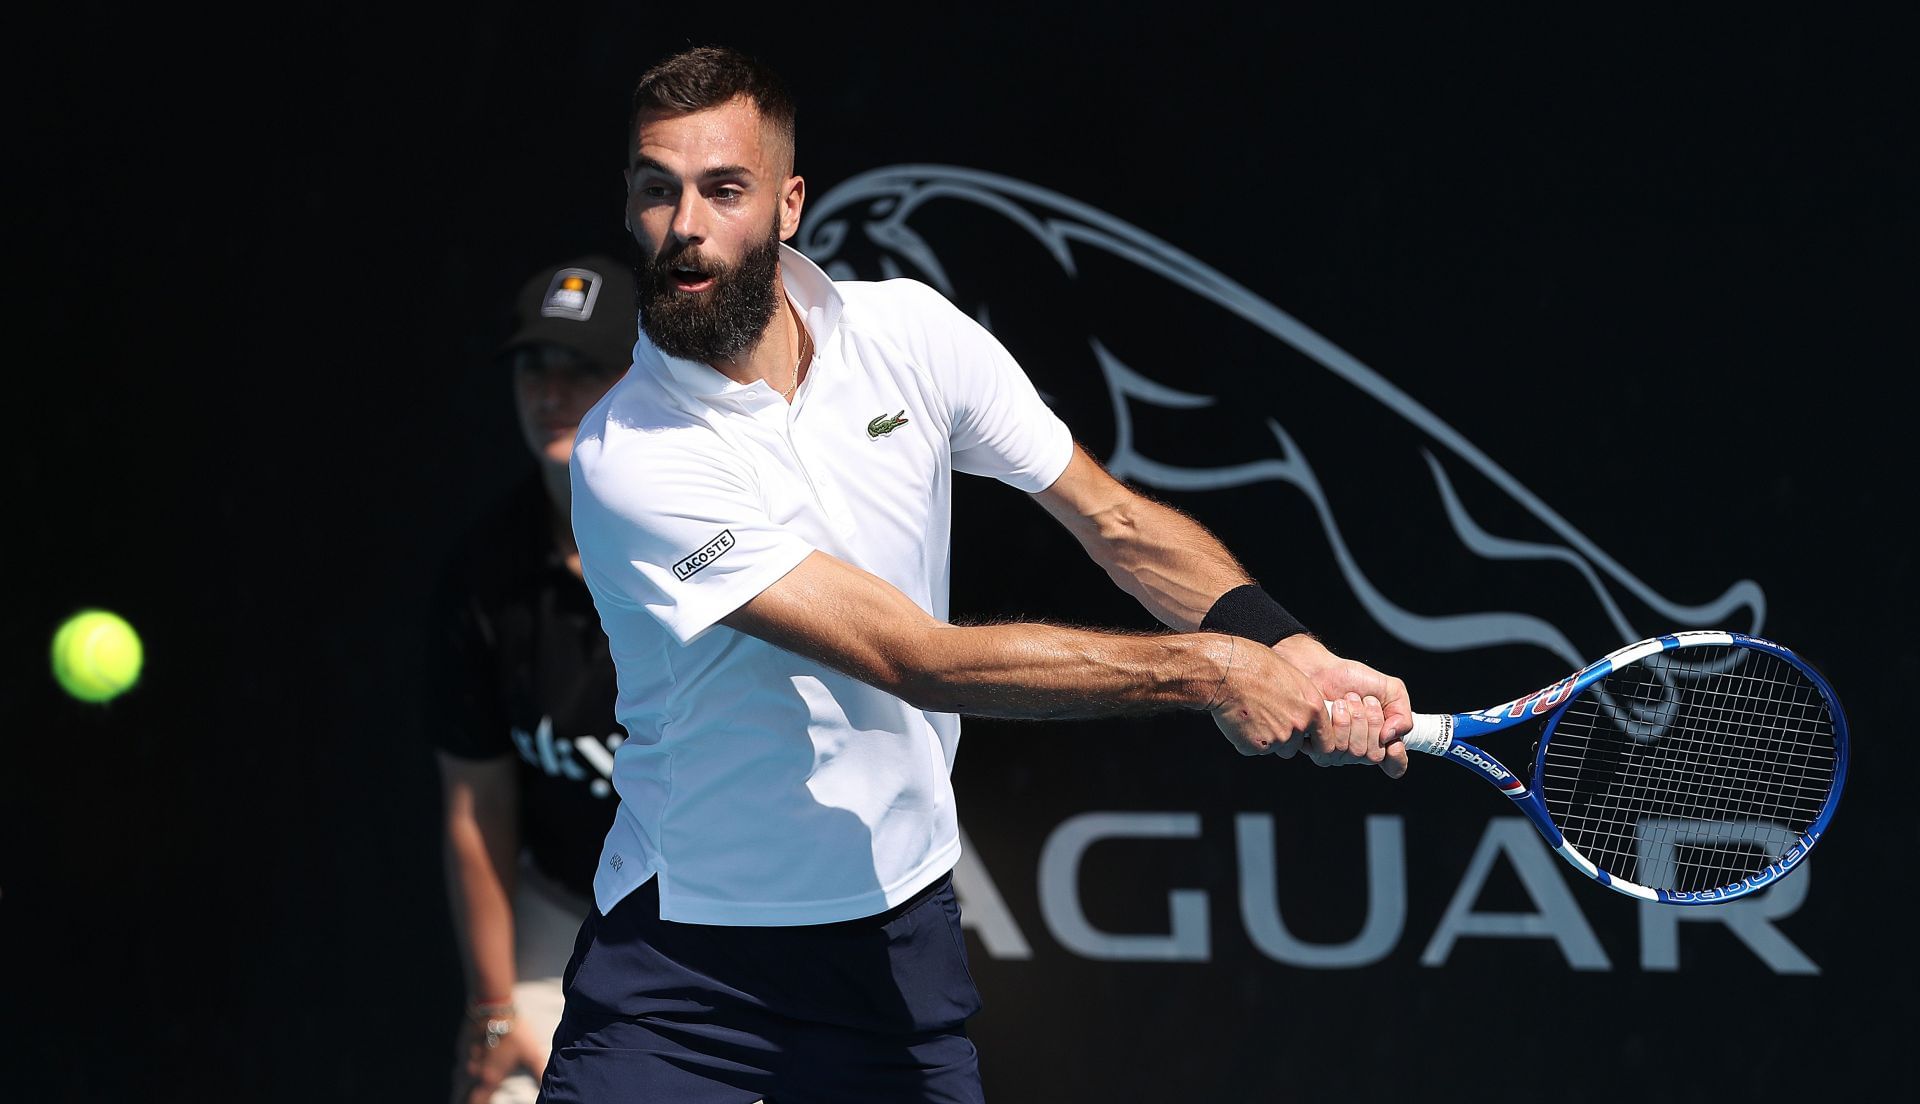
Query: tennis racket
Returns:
{"type": "Point", "coordinates": [1690, 769]}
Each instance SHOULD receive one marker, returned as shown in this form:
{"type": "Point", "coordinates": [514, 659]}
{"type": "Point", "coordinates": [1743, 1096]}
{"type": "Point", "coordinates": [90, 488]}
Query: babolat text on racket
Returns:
{"type": "Point", "coordinates": [1690, 769]}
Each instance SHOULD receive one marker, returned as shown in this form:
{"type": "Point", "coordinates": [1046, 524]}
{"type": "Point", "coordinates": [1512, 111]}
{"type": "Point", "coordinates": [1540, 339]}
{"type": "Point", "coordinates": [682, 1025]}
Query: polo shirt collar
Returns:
{"type": "Point", "coordinates": [811, 290]}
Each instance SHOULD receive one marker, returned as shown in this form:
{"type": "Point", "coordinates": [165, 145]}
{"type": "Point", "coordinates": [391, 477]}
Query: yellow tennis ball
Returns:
{"type": "Point", "coordinates": [96, 655]}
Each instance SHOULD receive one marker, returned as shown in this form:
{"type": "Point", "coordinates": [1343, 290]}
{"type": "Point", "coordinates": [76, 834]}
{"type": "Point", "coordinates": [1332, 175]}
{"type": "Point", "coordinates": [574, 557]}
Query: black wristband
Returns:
{"type": "Point", "coordinates": [1251, 612]}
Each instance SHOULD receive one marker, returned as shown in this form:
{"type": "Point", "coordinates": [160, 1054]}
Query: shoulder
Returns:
{"type": "Point", "coordinates": [637, 423]}
{"type": "Point", "coordinates": [920, 329]}
{"type": "Point", "coordinates": [638, 453]}
{"type": "Point", "coordinates": [638, 405]}
{"type": "Point", "coordinates": [895, 306]}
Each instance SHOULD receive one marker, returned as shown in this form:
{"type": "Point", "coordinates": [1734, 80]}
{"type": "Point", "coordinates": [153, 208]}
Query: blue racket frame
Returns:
{"type": "Point", "coordinates": [1455, 737]}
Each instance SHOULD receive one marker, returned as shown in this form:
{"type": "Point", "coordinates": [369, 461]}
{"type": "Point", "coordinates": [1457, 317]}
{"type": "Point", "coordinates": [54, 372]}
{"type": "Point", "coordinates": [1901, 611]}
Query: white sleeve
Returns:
{"type": "Point", "coordinates": [998, 425]}
{"type": "Point", "coordinates": [678, 532]}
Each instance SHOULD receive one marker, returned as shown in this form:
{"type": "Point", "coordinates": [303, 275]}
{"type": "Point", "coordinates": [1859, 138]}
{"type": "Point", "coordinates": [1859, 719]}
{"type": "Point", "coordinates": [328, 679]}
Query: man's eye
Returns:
{"type": "Point", "coordinates": [728, 195]}
{"type": "Point", "coordinates": [653, 191]}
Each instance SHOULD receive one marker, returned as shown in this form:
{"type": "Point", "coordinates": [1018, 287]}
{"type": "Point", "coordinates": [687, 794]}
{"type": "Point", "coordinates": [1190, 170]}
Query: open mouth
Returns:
{"type": "Point", "coordinates": [689, 280]}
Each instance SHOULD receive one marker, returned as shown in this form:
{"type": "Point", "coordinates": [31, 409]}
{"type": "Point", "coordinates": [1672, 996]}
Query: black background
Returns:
{"type": "Point", "coordinates": [1661, 273]}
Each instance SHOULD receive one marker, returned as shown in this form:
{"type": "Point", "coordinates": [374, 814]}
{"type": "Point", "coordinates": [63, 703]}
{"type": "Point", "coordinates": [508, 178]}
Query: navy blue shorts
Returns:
{"type": "Point", "coordinates": [873, 1009]}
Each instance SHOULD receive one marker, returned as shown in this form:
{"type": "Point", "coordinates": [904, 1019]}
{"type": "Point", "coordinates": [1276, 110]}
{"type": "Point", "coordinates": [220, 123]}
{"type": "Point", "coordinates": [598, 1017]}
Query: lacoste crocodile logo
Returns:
{"type": "Point", "coordinates": [884, 425]}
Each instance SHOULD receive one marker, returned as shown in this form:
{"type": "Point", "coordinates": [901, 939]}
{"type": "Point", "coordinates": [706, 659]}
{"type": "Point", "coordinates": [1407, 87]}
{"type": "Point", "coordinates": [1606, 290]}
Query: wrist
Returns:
{"type": "Point", "coordinates": [498, 1008]}
{"type": "Point", "coordinates": [1217, 656]}
{"type": "Point", "coordinates": [1305, 651]}
{"type": "Point", "coordinates": [493, 1018]}
{"type": "Point", "coordinates": [1251, 612]}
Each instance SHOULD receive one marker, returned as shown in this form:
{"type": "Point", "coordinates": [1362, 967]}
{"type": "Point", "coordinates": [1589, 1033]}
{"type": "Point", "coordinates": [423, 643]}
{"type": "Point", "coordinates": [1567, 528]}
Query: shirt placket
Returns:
{"type": "Point", "coordinates": [819, 477]}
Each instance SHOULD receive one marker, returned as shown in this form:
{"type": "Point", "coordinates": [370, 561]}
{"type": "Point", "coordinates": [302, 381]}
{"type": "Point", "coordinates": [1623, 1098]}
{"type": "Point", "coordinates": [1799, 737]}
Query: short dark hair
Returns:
{"type": "Point", "coordinates": [708, 76]}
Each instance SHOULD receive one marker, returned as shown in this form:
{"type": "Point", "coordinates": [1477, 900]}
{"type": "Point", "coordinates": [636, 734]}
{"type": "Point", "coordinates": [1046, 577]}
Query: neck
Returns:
{"type": "Point", "coordinates": [775, 358]}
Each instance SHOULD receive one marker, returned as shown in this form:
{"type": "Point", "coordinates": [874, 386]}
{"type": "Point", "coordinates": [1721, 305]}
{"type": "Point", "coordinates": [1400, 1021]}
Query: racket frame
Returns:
{"type": "Point", "coordinates": [1455, 737]}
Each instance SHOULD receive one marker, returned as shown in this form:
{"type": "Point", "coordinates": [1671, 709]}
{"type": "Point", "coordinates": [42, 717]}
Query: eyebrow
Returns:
{"type": "Point", "coordinates": [650, 164]}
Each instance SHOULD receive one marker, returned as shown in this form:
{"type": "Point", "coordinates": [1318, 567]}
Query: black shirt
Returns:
{"type": "Point", "coordinates": [520, 666]}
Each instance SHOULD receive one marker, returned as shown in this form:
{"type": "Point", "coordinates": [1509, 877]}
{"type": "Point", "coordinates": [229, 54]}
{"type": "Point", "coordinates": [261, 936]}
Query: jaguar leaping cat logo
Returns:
{"type": "Point", "coordinates": [930, 222]}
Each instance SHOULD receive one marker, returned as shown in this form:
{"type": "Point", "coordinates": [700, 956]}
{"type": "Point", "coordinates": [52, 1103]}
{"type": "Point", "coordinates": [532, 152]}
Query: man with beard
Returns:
{"type": "Point", "coordinates": [762, 510]}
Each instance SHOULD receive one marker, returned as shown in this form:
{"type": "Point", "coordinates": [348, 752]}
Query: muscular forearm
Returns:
{"type": "Point", "coordinates": [840, 615]}
{"type": "Point", "coordinates": [1036, 671]}
{"type": "Point", "coordinates": [1166, 560]}
{"type": "Point", "coordinates": [846, 618]}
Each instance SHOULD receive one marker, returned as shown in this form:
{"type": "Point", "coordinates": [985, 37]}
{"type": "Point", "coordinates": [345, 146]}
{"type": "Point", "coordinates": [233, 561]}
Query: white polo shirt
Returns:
{"type": "Point", "coordinates": [760, 787]}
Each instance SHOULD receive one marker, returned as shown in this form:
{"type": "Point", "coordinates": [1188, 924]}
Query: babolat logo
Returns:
{"type": "Point", "coordinates": [705, 554]}
{"type": "Point", "coordinates": [1477, 759]}
{"type": "Point", "coordinates": [1752, 881]}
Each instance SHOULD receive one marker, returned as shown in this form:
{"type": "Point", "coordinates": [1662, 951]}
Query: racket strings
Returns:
{"type": "Point", "coordinates": [1691, 769]}
{"type": "Point", "coordinates": [1714, 830]}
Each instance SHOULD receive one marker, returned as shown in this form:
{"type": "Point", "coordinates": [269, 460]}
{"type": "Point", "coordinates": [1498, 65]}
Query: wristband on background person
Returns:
{"type": "Point", "coordinates": [1251, 612]}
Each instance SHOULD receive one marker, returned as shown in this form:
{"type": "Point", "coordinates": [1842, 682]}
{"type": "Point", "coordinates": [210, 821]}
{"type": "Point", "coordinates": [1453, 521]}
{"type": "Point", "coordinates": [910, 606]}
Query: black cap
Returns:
{"type": "Point", "coordinates": [586, 304]}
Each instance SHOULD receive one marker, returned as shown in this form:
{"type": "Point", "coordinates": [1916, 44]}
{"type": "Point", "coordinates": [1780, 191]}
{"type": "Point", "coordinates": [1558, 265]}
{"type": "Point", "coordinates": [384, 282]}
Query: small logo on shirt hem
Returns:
{"type": "Point", "coordinates": [705, 554]}
{"type": "Point", "coordinates": [884, 425]}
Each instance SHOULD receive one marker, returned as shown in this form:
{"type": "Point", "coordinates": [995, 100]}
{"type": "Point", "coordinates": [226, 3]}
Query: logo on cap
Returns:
{"type": "Point", "coordinates": [571, 294]}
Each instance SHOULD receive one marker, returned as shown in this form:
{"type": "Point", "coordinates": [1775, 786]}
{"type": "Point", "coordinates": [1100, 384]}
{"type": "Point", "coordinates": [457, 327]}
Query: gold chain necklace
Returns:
{"type": "Point", "coordinates": [806, 351]}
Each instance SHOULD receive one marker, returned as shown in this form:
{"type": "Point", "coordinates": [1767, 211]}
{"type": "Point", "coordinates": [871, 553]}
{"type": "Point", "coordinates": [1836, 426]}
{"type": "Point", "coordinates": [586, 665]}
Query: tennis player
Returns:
{"type": "Point", "coordinates": [762, 510]}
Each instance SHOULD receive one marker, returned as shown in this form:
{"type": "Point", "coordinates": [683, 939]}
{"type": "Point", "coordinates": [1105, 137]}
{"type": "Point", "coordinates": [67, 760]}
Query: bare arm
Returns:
{"type": "Point", "coordinates": [1166, 560]}
{"type": "Point", "coordinates": [483, 847]}
{"type": "Point", "coordinates": [857, 623]}
{"type": "Point", "coordinates": [841, 616]}
{"type": "Point", "coordinates": [1177, 569]}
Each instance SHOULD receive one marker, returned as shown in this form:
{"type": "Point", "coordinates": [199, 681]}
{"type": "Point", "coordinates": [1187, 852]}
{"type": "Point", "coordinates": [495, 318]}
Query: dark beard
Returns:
{"type": "Point", "coordinates": [720, 324]}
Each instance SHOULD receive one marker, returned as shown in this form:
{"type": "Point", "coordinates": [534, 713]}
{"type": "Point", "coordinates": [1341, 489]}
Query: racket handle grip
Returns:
{"type": "Point", "coordinates": [1432, 732]}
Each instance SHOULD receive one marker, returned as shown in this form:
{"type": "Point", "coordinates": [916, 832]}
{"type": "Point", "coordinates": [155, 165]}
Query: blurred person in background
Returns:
{"type": "Point", "coordinates": [522, 695]}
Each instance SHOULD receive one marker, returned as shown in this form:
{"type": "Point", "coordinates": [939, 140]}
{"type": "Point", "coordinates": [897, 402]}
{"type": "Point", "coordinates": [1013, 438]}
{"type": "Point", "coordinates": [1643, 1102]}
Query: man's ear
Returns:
{"type": "Point", "coordinates": [793, 197]}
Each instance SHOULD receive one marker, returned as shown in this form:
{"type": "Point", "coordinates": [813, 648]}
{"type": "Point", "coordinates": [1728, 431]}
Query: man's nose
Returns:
{"type": "Point", "coordinates": [689, 221]}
